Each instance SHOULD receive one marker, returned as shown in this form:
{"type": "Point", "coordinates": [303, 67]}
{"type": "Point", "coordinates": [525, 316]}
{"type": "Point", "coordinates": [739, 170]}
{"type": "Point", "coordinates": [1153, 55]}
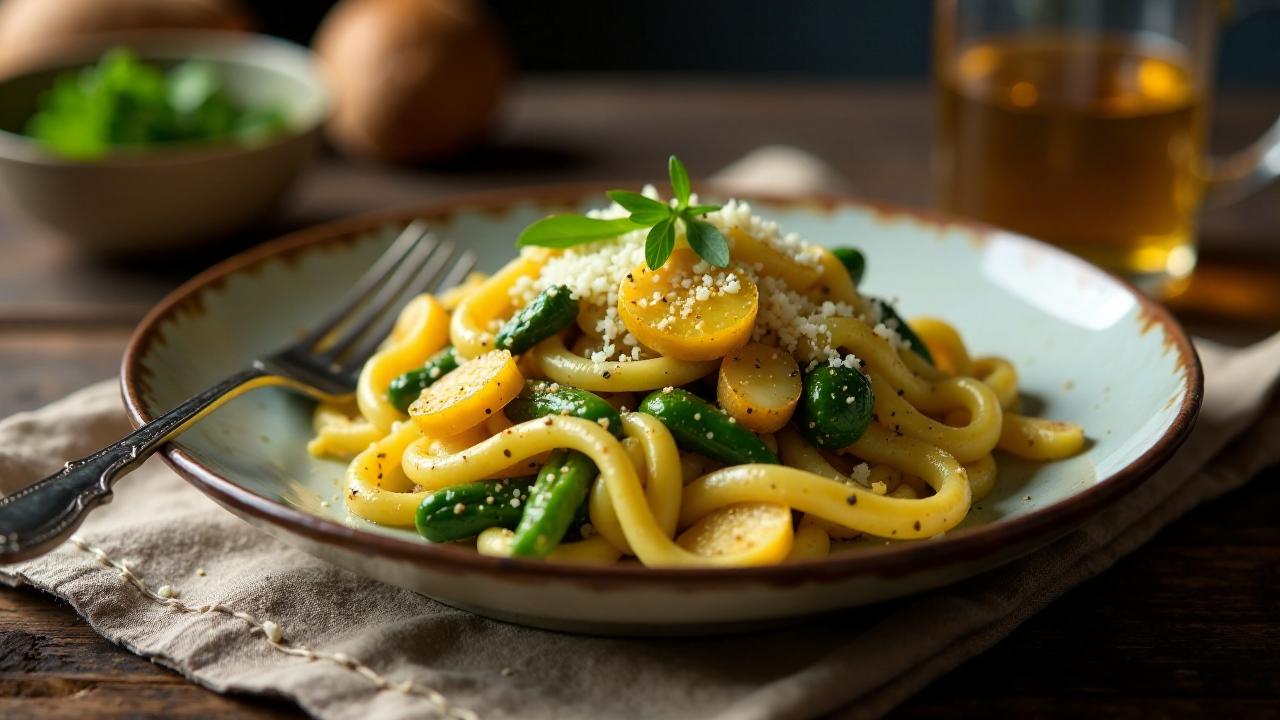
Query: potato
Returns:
{"type": "Point", "coordinates": [31, 30]}
{"type": "Point", "coordinates": [413, 80]}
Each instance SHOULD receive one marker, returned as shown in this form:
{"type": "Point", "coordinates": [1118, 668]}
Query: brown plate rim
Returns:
{"type": "Point", "coordinates": [970, 544]}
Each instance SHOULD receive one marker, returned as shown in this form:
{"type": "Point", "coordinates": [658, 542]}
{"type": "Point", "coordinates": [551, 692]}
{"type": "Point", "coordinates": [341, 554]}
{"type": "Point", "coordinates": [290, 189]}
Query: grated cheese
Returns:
{"type": "Point", "coordinates": [860, 473]}
{"type": "Point", "coordinates": [593, 273]}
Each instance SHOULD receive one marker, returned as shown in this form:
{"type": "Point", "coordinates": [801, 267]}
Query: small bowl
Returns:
{"type": "Point", "coordinates": [142, 199]}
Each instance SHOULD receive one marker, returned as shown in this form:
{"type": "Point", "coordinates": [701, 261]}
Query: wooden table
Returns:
{"type": "Point", "coordinates": [1187, 626]}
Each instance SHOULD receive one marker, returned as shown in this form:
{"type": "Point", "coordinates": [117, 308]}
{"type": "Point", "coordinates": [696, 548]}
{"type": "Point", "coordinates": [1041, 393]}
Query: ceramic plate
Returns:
{"type": "Point", "coordinates": [1089, 349]}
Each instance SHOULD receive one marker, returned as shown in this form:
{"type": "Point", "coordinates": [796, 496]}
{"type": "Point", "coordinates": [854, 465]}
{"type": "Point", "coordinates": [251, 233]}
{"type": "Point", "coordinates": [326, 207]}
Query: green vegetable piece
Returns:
{"type": "Point", "coordinates": [191, 85]}
{"type": "Point", "coordinates": [124, 102]}
{"type": "Point", "coordinates": [540, 398]}
{"type": "Point", "coordinates": [258, 124]}
{"type": "Point", "coordinates": [698, 426]}
{"type": "Point", "coordinates": [835, 407]}
{"type": "Point", "coordinates": [406, 388]}
{"type": "Point", "coordinates": [888, 315]}
{"type": "Point", "coordinates": [853, 260]}
{"type": "Point", "coordinates": [551, 312]}
{"type": "Point", "coordinates": [553, 503]}
{"type": "Point", "coordinates": [462, 511]}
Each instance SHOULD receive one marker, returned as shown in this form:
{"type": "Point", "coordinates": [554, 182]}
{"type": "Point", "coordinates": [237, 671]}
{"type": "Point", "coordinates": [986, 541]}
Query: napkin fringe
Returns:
{"type": "Point", "coordinates": [269, 631]}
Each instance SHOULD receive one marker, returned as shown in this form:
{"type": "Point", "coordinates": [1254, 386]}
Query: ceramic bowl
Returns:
{"type": "Point", "coordinates": [1089, 349]}
{"type": "Point", "coordinates": [137, 200]}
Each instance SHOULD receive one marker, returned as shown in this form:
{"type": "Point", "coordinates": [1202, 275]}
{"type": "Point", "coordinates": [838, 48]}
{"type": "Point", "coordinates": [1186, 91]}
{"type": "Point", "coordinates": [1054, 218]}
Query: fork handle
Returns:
{"type": "Point", "coordinates": [37, 518]}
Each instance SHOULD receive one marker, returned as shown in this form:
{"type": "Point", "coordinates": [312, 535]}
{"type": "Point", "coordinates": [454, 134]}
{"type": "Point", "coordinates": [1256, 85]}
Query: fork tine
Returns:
{"type": "Point", "coordinates": [461, 269]}
{"type": "Point", "coordinates": [373, 279]}
{"type": "Point", "coordinates": [429, 278]}
{"type": "Point", "coordinates": [391, 289]}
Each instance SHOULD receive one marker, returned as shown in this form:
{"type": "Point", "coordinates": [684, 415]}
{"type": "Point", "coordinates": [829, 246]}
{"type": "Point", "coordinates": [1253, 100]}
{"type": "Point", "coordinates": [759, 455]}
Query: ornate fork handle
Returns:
{"type": "Point", "coordinates": [41, 515]}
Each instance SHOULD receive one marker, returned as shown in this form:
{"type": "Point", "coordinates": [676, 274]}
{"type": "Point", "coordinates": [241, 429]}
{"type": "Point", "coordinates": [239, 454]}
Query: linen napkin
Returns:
{"type": "Point", "coordinates": [169, 575]}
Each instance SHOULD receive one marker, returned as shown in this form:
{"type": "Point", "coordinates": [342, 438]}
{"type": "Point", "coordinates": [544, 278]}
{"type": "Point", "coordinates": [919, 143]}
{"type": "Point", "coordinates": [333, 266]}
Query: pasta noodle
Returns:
{"type": "Point", "coordinates": [897, 444]}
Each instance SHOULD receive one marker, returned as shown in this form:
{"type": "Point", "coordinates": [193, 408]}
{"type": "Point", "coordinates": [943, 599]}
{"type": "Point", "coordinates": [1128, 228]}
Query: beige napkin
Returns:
{"type": "Point", "coordinates": [206, 594]}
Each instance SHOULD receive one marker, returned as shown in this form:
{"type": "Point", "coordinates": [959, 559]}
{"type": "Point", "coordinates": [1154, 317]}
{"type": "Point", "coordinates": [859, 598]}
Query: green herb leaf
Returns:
{"type": "Point", "coordinates": [707, 241]}
{"type": "Point", "coordinates": [645, 212]}
{"type": "Point", "coordinates": [562, 231]}
{"type": "Point", "coordinates": [679, 181]}
{"type": "Point", "coordinates": [659, 243]}
{"type": "Point", "coordinates": [635, 202]}
{"type": "Point", "coordinates": [649, 218]}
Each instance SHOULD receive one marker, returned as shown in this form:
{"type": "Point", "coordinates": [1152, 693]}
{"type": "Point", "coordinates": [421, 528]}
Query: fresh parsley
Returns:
{"type": "Point", "coordinates": [562, 231]}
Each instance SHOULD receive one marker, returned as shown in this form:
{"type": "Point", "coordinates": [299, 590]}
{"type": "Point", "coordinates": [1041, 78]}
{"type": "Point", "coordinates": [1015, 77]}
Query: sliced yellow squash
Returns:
{"type": "Point", "coordinates": [748, 250]}
{"type": "Point", "coordinates": [453, 444]}
{"type": "Point", "coordinates": [834, 531]}
{"type": "Point", "coordinates": [750, 533]}
{"type": "Point", "coordinates": [759, 386]}
{"type": "Point", "coordinates": [811, 541]}
{"type": "Point", "coordinates": [468, 396]}
{"type": "Point", "coordinates": [672, 311]}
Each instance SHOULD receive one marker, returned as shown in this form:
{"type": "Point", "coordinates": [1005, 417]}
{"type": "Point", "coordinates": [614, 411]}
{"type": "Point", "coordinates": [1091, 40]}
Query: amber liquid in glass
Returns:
{"type": "Point", "coordinates": [1093, 144]}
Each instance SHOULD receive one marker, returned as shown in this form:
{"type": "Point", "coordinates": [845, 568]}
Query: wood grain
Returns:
{"type": "Point", "coordinates": [1188, 626]}
{"type": "Point", "coordinates": [53, 665]}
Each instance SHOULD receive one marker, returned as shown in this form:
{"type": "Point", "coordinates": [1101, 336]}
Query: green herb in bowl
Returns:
{"type": "Point", "coordinates": [123, 102]}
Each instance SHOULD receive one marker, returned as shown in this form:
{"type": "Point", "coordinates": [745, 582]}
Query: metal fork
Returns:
{"type": "Point", "coordinates": [324, 364]}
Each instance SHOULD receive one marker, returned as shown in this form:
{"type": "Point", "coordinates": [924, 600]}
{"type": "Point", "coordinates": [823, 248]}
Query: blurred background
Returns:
{"type": "Point", "coordinates": [439, 97]}
{"type": "Point", "coordinates": [829, 39]}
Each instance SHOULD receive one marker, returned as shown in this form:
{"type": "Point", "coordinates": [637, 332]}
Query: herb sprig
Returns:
{"type": "Point", "coordinates": [563, 231]}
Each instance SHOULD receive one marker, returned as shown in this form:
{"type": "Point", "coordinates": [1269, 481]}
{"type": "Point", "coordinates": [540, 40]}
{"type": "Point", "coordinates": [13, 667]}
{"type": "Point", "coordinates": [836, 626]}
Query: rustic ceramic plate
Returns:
{"type": "Point", "coordinates": [1089, 349]}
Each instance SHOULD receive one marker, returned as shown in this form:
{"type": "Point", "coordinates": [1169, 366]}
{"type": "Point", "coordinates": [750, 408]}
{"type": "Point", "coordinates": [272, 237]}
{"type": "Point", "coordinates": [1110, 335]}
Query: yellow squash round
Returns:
{"type": "Point", "coordinates": [750, 533]}
{"type": "Point", "coordinates": [759, 386]}
{"type": "Point", "coordinates": [468, 396]}
{"type": "Point", "coordinates": [672, 311]}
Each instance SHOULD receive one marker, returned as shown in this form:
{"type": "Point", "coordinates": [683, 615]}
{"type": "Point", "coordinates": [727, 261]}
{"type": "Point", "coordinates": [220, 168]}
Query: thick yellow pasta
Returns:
{"type": "Point", "coordinates": [471, 330]}
{"type": "Point", "coordinates": [560, 365]}
{"type": "Point", "coordinates": [421, 329]}
{"type": "Point", "coordinates": [925, 456]}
